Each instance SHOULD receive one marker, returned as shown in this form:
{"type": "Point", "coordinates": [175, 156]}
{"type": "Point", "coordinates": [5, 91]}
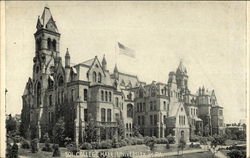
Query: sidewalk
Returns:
{"type": "Point", "coordinates": [170, 153]}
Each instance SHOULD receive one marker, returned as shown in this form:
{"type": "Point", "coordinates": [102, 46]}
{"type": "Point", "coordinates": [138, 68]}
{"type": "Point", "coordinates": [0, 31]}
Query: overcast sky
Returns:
{"type": "Point", "coordinates": [210, 37]}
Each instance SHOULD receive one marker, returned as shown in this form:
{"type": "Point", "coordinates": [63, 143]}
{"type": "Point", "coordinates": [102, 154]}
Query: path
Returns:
{"type": "Point", "coordinates": [170, 153]}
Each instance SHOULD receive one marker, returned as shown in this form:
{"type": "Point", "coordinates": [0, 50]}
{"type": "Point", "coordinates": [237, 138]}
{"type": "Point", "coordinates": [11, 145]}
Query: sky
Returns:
{"type": "Point", "coordinates": [210, 38]}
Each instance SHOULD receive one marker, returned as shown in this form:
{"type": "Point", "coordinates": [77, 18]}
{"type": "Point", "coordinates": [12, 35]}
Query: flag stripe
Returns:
{"type": "Point", "coordinates": [125, 50]}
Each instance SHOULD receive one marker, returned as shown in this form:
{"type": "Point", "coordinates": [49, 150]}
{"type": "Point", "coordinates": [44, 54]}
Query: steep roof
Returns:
{"type": "Point", "coordinates": [88, 62]}
{"type": "Point", "coordinates": [45, 19]}
{"type": "Point", "coordinates": [181, 68]}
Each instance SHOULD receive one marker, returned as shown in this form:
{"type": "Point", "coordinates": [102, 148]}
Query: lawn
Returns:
{"type": "Point", "coordinates": [231, 142]}
{"type": "Point", "coordinates": [135, 149]}
{"type": "Point", "coordinates": [192, 155]}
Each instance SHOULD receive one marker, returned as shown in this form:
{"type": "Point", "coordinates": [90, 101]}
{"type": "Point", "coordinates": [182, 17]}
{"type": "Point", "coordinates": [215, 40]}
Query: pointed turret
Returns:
{"type": "Point", "coordinates": [104, 63]}
{"type": "Point", "coordinates": [181, 68]}
{"type": "Point", "coordinates": [116, 72]}
{"type": "Point", "coordinates": [46, 21]}
{"type": "Point", "coordinates": [182, 77]}
{"type": "Point", "coordinates": [67, 65]}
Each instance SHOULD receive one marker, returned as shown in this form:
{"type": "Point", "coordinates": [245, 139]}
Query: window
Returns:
{"type": "Point", "coordinates": [85, 115]}
{"type": "Point", "coordinates": [164, 119]}
{"type": "Point", "coordinates": [72, 95]}
{"type": "Point", "coordinates": [54, 45]}
{"type": "Point", "coordinates": [141, 93]}
{"type": "Point", "coordinates": [99, 77]}
{"type": "Point", "coordinates": [154, 105]}
{"type": "Point", "coordinates": [139, 120]}
{"type": "Point", "coordinates": [50, 100]}
{"type": "Point", "coordinates": [140, 106]}
{"type": "Point", "coordinates": [38, 94]}
{"type": "Point", "coordinates": [38, 44]}
{"type": "Point", "coordinates": [151, 105]}
{"type": "Point", "coordinates": [85, 94]}
{"type": "Point", "coordinates": [127, 126]}
{"type": "Point", "coordinates": [155, 119]}
{"type": "Point", "coordinates": [117, 101]}
{"type": "Point", "coordinates": [151, 119]}
{"type": "Point", "coordinates": [60, 81]}
{"type": "Point", "coordinates": [110, 96]}
{"type": "Point", "coordinates": [106, 96]}
{"type": "Point", "coordinates": [164, 105]}
{"type": "Point", "coordinates": [153, 92]}
{"type": "Point", "coordinates": [48, 43]}
{"type": "Point", "coordinates": [144, 107]}
{"type": "Point", "coordinates": [62, 96]}
{"type": "Point", "coordinates": [94, 76]}
{"type": "Point", "coordinates": [103, 115]}
{"type": "Point", "coordinates": [102, 95]}
{"type": "Point", "coordinates": [109, 115]}
{"type": "Point", "coordinates": [130, 110]}
{"type": "Point", "coordinates": [142, 120]}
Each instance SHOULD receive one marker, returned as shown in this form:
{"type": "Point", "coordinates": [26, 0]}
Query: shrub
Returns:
{"type": "Point", "coordinates": [47, 147]}
{"type": "Point", "coordinates": [72, 148]}
{"type": "Point", "coordinates": [14, 150]}
{"type": "Point", "coordinates": [194, 138]}
{"type": "Point", "coordinates": [107, 144]}
{"type": "Point", "coordinates": [236, 154]}
{"type": "Point", "coordinates": [123, 142]}
{"type": "Point", "coordinates": [203, 141]}
{"type": "Point", "coordinates": [95, 145]}
{"type": "Point", "coordinates": [18, 139]}
{"type": "Point", "coordinates": [150, 142]}
{"type": "Point", "coordinates": [161, 141]}
{"type": "Point", "coordinates": [192, 145]}
{"type": "Point", "coordinates": [25, 144]}
{"type": "Point", "coordinates": [8, 150]}
{"type": "Point", "coordinates": [167, 145]}
{"type": "Point", "coordinates": [171, 139]}
{"type": "Point", "coordinates": [86, 146]}
{"type": "Point", "coordinates": [128, 141]}
{"type": "Point", "coordinates": [34, 145]}
{"type": "Point", "coordinates": [56, 152]}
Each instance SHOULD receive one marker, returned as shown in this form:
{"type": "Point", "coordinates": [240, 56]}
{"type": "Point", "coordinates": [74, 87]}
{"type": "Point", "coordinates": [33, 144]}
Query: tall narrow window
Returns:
{"type": "Point", "coordinates": [50, 100]}
{"type": "Point", "coordinates": [155, 119]}
{"type": "Point", "coordinates": [164, 119]}
{"type": "Point", "coordinates": [164, 105]}
{"type": "Point", "coordinates": [54, 45]}
{"type": "Point", "coordinates": [110, 96]}
{"type": "Point", "coordinates": [85, 94]}
{"type": "Point", "coordinates": [151, 105]}
{"type": "Point", "coordinates": [151, 119]}
{"type": "Point", "coordinates": [142, 120]}
{"type": "Point", "coordinates": [85, 115]}
{"type": "Point", "coordinates": [38, 44]}
{"type": "Point", "coordinates": [117, 101]}
{"type": "Point", "coordinates": [38, 94]}
{"type": "Point", "coordinates": [109, 115]}
{"type": "Point", "coordinates": [102, 95]}
{"type": "Point", "coordinates": [139, 120]}
{"type": "Point", "coordinates": [49, 44]}
{"type": "Point", "coordinates": [72, 95]}
{"type": "Point", "coordinates": [62, 96]}
{"type": "Point", "coordinates": [103, 115]}
{"type": "Point", "coordinates": [94, 76]}
{"type": "Point", "coordinates": [144, 107]}
{"type": "Point", "coordinates": [99, 77]}
{"type": "Point", "coordinates": [106, 96]}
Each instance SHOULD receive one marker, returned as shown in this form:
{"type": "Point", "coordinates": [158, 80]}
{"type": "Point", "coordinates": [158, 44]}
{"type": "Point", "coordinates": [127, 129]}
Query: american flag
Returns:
{"type": "Point", "coordinates": [126, 51]}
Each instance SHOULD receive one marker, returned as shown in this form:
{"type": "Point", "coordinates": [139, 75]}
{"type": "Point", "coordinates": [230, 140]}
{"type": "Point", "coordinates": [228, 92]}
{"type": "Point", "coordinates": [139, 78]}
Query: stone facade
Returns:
{"type": "Point", "coordinates": [88, 90]}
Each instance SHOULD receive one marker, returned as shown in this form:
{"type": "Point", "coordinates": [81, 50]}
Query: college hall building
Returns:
{"type": "Point", "coordinates": [88, 90]}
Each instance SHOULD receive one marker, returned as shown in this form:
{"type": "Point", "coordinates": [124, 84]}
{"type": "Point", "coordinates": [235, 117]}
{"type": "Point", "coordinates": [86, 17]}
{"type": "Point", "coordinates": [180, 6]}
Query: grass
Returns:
{"type": "Point", "coordinates": [231, 142]}
{"type": "Point", "coordinates": [192, 155]}
{"type": "Point", "coordinates": [160, 148]}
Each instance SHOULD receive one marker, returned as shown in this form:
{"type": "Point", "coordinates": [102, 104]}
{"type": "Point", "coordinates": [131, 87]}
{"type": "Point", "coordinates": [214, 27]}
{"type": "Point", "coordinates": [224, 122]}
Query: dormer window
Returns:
{"type": "Point", "coordinates": [99, 77]}
{"type": "Point", "coordinates": [94, 76]}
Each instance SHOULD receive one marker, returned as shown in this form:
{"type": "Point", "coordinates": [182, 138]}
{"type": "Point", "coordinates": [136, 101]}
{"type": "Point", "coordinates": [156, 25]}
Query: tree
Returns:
{"type": "Point", "coordinates": [58, 131]}
{"type": "Point", "coordinates": [136, 131]}
{"type": "Point", "coordinates": [11, 124]}
{"type": "Point", "coordinates": [121, 128]}
{"type": "Point", "coordinates": [91, 131]}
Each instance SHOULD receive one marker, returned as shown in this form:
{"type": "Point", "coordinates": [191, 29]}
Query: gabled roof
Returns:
{"type": "Point", "coordinates": [88, 62]}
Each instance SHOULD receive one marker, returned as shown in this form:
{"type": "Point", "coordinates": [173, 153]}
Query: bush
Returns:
{"type": "Point", "coordinates": [161, 141]}
{"type": "Point", "coordinates": [107, 144]}
{"type": "Point", "coordinates": [18, 139]}
{"type": "Point", "coordinates": [47, 148]}
{"type": "Point", "coordinates": [86, 146]}
{"type": "Point", "coordinates": [123, 142]}
{"type": "Point", "coordinates": [25, 144]}
{"type": "Point", "coordinates": [56, 152]}
{"type": "Point", "coordinates": [194, 138]}
{"type": "Point", "coordinates": [95, 145]}
{"type": "Point", "coordinates": [171, 139]}
{"type": "Point", "coordinates": [8, 150]}
{"type": "Point", "coordinates": [167, 145]}
{"type": "Point", "coordinates": [115, 143]}
{"type": "Point", "coordinates": [34, 145]}
{"type": "Point", "coordinates": [192, 145]}
{"type": "Point", "coordinates": [150, 142]}
{"type": "Point", "coordinates": [72, 148]}
{"type": "Point", "coordinates": [14, 150]}
{"type": "Point", "coordinates": [236, 154]}
{"type": "Point", "coordinates": [128, 141]}
{"type": "Point", "coordinates": [203, 141]}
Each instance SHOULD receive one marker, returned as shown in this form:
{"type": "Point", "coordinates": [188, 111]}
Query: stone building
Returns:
{"type": "Point", "coordinates": [88, 90]}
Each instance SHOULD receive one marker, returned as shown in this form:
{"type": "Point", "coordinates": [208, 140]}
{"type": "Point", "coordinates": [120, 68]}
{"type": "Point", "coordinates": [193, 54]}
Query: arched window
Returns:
{"type": "Point", "coordinates": [141, 93]}
{"type": "Point", "coordinates": [94, 76]}
{"type": "Point", "coordinates": [51, 82]}
{"type": "Point", "coordinates": [60, 81]}
{"type": "Point", "coordinates": [110, 96]}
{"type": "Point", "coordinates": [85, 94]}
{"type": "Point", "coordinates": [102, 95]}
{"type": "Point", "coordinates": [130, 110]}
{"type": "Point", "coordinates": [117, 101]}
{"type": "Point", "coordinates": [54, 45]}
{"type": "Point", "coordinates": [99, 77]}
{"type": "Point", "coordinates": [38, 94]}
{"type": "Point", "coordinates": [109, 115]}
{"type": "Point", "coordinates": [72, 95]}
{"type": "Point", "coordinates": [106, 96]}
{"type": "Point", "coordinates": [103, 115]}
{"type": "Point", "coordinates": [49, 43]}
{"type": "Point", "coordinates": [38, 44]}
{"type": "Point", "coordinates": [164, 104]}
